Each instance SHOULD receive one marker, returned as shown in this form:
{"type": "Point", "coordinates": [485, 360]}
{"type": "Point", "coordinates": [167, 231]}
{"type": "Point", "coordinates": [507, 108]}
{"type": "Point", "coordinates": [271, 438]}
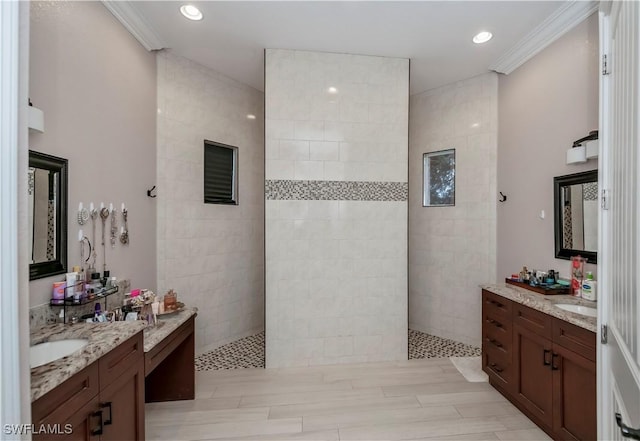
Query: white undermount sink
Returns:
{"type": "Point", "coordinates": [584, 310]}
{"type": "Point", "coordinates": [44, 353]}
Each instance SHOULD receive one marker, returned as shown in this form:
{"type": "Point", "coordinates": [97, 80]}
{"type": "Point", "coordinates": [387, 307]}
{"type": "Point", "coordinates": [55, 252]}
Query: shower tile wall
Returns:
{"type": "Point", "coordinates": [212, 255]}
{"type": "Point", "coordinates": [453, 249]}
{"type": "Point", "coordinates": [336, 208]}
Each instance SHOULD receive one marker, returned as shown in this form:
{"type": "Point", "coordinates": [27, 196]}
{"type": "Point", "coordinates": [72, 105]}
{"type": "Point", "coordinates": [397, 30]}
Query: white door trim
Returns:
{"type": "Point", "coordinates": [604, 403]}
{"type": "Point", "coordinates": [619, 239]}
{"type": "Point", "coordinates": [12, 89]}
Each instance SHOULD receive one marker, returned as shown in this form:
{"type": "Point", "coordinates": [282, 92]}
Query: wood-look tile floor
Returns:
{"type": "Point", "coordinates": [415, 399]}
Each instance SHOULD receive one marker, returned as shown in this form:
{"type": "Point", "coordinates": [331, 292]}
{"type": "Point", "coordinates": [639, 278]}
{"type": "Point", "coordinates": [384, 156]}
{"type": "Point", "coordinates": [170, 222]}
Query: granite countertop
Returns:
{"type": "Point", "coordinates": [166, 325]}
{"type": "Point", "coordinates": [103, 337]}
{"type": "Point", "coordinates": [546, 304]}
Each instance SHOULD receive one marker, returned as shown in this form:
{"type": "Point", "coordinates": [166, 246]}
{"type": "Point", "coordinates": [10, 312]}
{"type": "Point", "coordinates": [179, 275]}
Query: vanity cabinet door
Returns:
{"type": "Point", "coordinates": [81, 425]}
{"type": "Point", "coordinates": [574, 395]}
{"type": "Point", "coordinates": [74, 403]}
{"type": "Point", "coordinates": [103, 402]}
{"type": "Point", "coordinates": [122, 405]}
{"type": "Point", "coordinates": [85, 424]}
{"type": "Point", "coordinates": [533, 385]}
{"type": "Point", "coordinates": [122, 391]}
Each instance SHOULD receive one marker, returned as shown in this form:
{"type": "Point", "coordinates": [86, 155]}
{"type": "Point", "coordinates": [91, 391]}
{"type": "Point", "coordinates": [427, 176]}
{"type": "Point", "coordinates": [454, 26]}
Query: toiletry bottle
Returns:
{"type": "Point", "coordinates": [105, 278]}
{"type": "Point", "coordinates": [96, 284]}
{"type": "Point", "coordinates": [58, 292]}
{"type": "Point", "coordinates": [71, 282]}
{"type": "Point", "coordinates": [589, 288]}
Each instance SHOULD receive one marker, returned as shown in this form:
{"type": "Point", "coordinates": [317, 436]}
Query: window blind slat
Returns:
{"type": "Point", "coordinates": [218, 173]}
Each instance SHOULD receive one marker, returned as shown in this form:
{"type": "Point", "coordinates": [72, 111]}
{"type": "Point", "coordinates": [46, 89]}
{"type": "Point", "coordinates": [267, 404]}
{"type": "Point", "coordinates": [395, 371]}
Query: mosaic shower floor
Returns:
{"type": "Point", "coordinates": [248, 352]}
{"type": "Point", "coordinates": [423, 345]}
{"type": "Point", "coordinates": [245, 353]}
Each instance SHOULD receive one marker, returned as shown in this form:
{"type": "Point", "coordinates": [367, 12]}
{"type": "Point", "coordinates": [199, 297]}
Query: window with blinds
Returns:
{"type": "Point", "coordinates": [220, 173]}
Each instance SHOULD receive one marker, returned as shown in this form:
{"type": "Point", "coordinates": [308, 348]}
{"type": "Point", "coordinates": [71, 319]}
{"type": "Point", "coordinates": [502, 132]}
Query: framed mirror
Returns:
{"type": "Point", "coordinates": [576, 215]}
{"type": "Point", "coordinates": [47, 215]}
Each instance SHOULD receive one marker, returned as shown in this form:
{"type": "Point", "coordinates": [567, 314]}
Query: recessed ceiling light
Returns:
{"type": "Point", "coordinates": [251, 116]}
{"type": "Point", "coordinates": [332, 90]}
{"type": "Point", "coordinates": [191, 12]}
{"type": "Point", "coordinates": [482, 37]}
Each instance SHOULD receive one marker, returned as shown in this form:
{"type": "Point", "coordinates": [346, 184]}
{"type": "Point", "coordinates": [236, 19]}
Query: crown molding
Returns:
{"type": "Point", "coordinates": [135, 23]}
{"type": "Point", "coordinates": [556, 25]}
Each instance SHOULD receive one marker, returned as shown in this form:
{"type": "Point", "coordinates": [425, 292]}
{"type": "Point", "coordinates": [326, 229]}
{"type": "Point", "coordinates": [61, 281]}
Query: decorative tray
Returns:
{"type": "Point", "coordinates": [180, 307]}
{"type": "Point", "coordinates": [547, 290]}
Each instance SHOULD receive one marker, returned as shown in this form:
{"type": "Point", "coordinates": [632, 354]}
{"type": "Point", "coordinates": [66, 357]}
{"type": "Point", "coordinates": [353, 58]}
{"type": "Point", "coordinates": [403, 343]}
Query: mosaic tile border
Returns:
{"type": "Point", "coordinates": [590, 191]}
{"type": "Point", "coordinates": [335, 190]}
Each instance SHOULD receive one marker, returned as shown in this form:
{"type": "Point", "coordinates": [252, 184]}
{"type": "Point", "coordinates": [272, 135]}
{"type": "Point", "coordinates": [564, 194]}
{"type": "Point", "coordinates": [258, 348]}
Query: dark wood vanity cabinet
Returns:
{"type": "Point", "coordinates": [533, 385]}
{"type": "Point", "coordinates": [547, 369]}
{"type": "Point", "coordinates": [574, 382]}
{"type": "Point", "coordinates": [497, 339]}
{"type": "Point", "coordinates": [104, 401]}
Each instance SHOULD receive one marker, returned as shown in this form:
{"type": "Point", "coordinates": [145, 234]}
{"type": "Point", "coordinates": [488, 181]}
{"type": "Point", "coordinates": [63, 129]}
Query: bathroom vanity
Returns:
{"type": "Point", "coordinates": [542, 358]}
{"type": "Point", "coordinates": [99, 391]}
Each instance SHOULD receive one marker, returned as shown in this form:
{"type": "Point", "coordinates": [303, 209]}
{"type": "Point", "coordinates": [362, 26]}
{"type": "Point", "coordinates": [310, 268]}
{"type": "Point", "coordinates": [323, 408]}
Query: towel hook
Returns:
{"type": "Point", "coordinates": [503, 197]}
{"type": "Point", "coordinates": [149, 192]}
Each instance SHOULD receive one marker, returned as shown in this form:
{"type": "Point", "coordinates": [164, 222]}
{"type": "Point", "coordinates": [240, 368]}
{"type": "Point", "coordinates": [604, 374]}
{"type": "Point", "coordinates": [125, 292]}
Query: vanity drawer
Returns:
{"type": "Point", "coordinates": [497, 365]}
{"type": "Point", "coordinates": [121, 359]}
{"type": "Point", "coordinates": [575, 338]}
{"type": "Point", "coordinates": [535, 321]}
{"type": "Point", "coordinates": [496, 324]}
{"type": "Point", "coordinates": [496, 338]}
{"type": "Point", "coordinates": [496, 305]}
{"type": "Point", "coordinates": [65, 400]}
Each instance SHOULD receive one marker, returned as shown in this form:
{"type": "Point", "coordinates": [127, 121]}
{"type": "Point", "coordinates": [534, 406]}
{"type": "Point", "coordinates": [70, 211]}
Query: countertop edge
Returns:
{"type": "Point", "coordinates": [545, 304]}
{"type": "Point", "coordinates": [103, 338]}
{"type": "Point", "coordinates": [153, 335]}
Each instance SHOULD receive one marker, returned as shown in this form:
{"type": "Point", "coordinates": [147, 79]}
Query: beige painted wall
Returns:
{"type": "Point", "coordinates": [544, 106]}
{"type": "Point", "coordinates": [453, 249]}
{"type": "Point", "coordinates": [212, 255]}
{"type": "Point", "coordinates": [97, 87]}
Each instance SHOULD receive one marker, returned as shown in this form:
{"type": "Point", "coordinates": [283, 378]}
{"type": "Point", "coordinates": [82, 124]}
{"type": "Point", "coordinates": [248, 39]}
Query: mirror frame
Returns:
{"type": "Point", "coordinates": [558, 183]}
{"type": "Point", "coordinates": [59, 264]}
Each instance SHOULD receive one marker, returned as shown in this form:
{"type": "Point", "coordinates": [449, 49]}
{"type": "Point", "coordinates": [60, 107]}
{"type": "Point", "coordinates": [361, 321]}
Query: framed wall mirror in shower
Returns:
{"type": "Point", "coordinates": [47, 204]}
{"type": "Point", "coordinates": [576, 215]}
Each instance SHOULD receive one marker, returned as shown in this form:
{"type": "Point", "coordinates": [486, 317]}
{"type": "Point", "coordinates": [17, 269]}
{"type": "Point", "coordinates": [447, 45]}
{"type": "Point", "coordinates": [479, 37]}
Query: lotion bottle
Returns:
{"type": "Point", "coordinates": [71, 284]}
{"type": "Point", "coordinates": [589, 288]}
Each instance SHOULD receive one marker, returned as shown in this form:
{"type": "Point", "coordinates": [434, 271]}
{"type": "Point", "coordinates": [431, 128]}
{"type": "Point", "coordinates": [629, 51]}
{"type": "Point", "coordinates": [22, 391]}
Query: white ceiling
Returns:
{"type": "Point", "coordinates": [435, 35]}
